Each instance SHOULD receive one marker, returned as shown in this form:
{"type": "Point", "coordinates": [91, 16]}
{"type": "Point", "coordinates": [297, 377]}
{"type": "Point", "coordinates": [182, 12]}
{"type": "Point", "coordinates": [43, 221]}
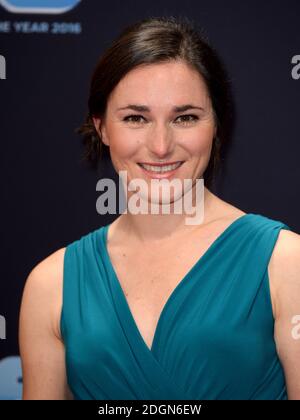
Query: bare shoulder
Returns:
{"type": "Point", "coordinates": [286, 252]}
{"type": "Point", "coordinates": [44, 287]}
{"type": "Point", "coordinates": [41, 347]}
{"type": "Point", "coordinates": [284, 269]}
{"type": "Point", "coordinates": [52, 261]}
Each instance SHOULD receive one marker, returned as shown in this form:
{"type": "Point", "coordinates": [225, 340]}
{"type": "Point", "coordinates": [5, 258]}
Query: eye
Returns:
{"type": "Point", "coordinates": [187, 119]}
{"type": "Point", "coordinates": [133, 118]}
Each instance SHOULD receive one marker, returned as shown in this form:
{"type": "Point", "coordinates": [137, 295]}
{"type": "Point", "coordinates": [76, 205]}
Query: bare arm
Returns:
{"type": "Point", "coordinates": [41, 347]}
{"type": "Point", "coordinates": [285, 273]}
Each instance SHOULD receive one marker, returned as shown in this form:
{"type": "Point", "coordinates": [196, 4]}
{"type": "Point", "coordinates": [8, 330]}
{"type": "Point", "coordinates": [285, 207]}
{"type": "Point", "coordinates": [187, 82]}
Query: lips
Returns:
{"type": "Point", "coordinates": [160, 170]}
{"type": "Point", "coordinates": [160, 164]}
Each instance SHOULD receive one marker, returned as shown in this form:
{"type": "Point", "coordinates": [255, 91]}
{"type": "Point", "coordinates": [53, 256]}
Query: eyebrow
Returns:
{"type": "Point", "coordinates": [144, 108]}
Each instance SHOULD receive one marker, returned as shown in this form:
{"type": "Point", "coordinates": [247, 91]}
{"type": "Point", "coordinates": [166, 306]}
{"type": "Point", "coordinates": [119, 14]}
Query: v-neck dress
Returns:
{"type": "Point", "coordinates": [214, 338]}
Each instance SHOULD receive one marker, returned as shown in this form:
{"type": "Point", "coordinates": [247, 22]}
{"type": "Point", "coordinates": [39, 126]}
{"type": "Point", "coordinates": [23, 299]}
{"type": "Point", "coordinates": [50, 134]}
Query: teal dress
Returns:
{"type": "Point", "coordinates": [214, 338]}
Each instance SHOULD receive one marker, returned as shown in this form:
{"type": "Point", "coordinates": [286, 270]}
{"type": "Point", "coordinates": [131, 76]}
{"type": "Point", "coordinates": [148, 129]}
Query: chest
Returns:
{"type": "Point", "coordinates": [148, 277]}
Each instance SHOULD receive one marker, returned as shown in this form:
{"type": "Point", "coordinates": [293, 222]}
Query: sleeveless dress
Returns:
{"type": "Point", "coordinates": [214, 338]}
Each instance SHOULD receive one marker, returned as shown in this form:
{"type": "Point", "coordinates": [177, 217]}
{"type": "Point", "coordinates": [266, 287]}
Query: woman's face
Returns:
{"type": "Point", "coordinates": [142, 125]}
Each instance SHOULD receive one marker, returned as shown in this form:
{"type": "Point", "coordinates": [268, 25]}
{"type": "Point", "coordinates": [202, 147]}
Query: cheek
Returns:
{"type": "Point", "coordinates": [199, 142]}
{"type": "Point", "coordinates": [123, 145]}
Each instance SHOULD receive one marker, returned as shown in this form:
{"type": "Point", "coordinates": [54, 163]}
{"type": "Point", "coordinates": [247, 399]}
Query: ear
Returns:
{"type": "Point", "coordinates": [101, 130]}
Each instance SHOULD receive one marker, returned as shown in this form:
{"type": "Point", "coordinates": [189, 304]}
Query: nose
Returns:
{"type": "Point", "coordinates": [160, 142]}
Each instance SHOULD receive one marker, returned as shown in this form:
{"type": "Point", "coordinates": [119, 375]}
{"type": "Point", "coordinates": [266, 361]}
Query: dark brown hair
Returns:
{"type": "Point", "coordinates": [157, 40]}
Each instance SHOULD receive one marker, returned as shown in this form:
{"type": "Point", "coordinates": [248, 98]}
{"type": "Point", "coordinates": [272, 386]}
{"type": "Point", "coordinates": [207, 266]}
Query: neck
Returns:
{"type": "Point", "coordinates": [157, 227]}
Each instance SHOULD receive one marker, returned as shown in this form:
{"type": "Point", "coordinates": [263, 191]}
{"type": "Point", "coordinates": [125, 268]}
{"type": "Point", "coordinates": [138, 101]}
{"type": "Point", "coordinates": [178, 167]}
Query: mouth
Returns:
{"type": "Point", "coordinates": [160, 170]}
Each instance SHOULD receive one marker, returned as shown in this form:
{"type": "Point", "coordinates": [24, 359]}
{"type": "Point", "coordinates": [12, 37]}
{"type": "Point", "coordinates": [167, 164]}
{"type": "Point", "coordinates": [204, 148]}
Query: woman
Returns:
{"type": "Point", "coordinates": [149, 306]}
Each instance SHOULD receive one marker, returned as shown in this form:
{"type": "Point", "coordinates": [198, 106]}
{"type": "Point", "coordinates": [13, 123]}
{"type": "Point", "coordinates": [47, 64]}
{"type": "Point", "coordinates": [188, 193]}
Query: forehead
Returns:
{"type": "Point", "coordinates": [170, 82]}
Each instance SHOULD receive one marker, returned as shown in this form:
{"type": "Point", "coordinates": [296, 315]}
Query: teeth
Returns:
{"type": "Point", "coordinates": [161, 169]}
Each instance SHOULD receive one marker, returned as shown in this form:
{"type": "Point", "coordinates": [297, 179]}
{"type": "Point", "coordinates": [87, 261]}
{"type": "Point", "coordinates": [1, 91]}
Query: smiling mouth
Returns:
{"type": "Point", "coordinates": [160, 168]}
